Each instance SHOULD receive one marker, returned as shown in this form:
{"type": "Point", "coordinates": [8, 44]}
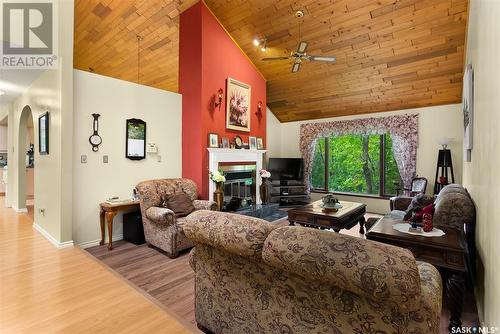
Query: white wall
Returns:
{"type": "Point", "coordinates": [43, 95]}
{"type": "Point", "coordinates": [3, 137]}
{"type": "Point", "coordinates": [52, 91]}
{"type": "Point", "coordinates": [481, 175]}
{"type": "Point", "coordinates": [273, 135]}
{"type": "Point", "coordinates": [434, 123]}
{"type": "Point", "coordinates": [117, 100]}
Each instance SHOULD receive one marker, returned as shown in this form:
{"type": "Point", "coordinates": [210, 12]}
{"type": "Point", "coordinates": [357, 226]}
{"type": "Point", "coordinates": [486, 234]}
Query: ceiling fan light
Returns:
{"type": "Point", "coordinates": [263, 49]}
{"type": "Point", "coordinates": [320, 58]}
{"type": "Point", "coordinates": [256, 41]}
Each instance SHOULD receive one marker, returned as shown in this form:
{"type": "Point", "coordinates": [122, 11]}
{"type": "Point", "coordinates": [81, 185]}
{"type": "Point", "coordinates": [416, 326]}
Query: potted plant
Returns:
{"type": "Point", "coordinates": [219, 180]}
{"type": "Point", "coordinates": [264, 195]}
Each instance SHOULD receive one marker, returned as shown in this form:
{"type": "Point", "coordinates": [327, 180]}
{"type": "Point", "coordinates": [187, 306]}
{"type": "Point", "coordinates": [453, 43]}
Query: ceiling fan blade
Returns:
{"type": "Point", "coordinates": [275, 58]}
{"type": "Point", "coordinates": [296, 67]}
{"type": "Point", "coordinates": [323, 58]}
{"type": "Point", "coordinates": [302, 47]}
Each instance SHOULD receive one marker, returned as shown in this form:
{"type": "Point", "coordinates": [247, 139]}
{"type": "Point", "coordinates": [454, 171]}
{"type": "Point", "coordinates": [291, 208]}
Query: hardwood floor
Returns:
{"type": "Point", "coordinates": [171, 281]}
{"type": "Point", "coordinates": [48, 290]}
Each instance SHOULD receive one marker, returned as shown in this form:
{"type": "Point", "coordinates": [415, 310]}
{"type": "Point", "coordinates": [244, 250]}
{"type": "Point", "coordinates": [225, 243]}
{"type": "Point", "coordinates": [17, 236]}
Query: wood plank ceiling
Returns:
{"type": "Point", "coordinates": [106, 39]}
{"type": "Point", "coordinates": [391, 54]}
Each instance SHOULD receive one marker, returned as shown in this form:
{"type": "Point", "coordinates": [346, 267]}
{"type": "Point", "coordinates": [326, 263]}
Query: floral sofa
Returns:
{"type": "Point", "coordinates": [254, 277]}
{"type": "Point", "coordinates": [162, 228]}
{"type": "Point", "coordinates": [453, 207]}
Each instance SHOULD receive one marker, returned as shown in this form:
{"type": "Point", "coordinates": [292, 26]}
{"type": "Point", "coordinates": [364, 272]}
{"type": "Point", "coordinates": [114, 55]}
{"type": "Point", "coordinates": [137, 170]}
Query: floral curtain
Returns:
{"type": "Point", "coordinates": [403, 130]}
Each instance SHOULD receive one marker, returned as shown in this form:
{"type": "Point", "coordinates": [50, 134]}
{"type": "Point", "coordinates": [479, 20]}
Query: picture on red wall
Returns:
{"type": "Point", "coordinates": [238, 105]}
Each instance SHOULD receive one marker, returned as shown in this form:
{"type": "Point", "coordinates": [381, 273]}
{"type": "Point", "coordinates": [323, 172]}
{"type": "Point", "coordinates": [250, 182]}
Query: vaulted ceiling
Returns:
{"type": "Point", "coordinates": [106, 39]}
{"type": "Point", "coordinates": [391, 54]}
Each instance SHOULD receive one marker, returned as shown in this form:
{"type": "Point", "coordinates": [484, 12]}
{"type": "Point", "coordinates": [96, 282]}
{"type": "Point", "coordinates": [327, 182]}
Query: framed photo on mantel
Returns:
{"type": "Point", "coordinates": [238, 105]}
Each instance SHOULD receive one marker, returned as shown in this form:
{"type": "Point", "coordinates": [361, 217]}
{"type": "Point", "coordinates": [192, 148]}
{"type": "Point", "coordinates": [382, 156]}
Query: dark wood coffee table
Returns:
{"type": "Point", "coordinates": [312, 215]}
{"type": "Point", "coordinates": [447, 252]}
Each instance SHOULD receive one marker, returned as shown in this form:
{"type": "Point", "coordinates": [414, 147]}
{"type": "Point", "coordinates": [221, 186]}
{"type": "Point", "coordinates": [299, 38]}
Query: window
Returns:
{"type": "Point", "coordinates": [361, 164]}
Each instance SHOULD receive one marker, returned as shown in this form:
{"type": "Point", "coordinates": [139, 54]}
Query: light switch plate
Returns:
{"type": "Point", "coordinates": [151, 148]}
{"type": "Point", "coordinates": [83, 159]}
{"type": "Point", "coordinates": [105, 159]}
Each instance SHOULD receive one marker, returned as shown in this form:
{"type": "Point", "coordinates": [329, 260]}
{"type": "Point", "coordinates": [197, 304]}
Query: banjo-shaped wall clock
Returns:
{"type": "Point", "coordinates": [95, 140]}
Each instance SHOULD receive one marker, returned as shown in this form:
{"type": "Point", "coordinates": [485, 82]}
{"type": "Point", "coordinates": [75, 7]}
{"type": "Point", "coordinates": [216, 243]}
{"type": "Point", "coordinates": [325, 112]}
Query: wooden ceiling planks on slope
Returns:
{"type": "Point", "coordinates": [106, 39]}
{"type": "Point", "coordinates": [391, 54]}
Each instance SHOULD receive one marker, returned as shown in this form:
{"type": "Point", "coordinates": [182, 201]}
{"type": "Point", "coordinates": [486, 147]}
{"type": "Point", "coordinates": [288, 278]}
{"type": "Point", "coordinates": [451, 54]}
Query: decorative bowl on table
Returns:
{"type": "Point", "coordinates": [330, 203]}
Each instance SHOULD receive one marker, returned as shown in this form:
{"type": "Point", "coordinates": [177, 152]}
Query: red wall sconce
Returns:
{"type": "Point", "coordinates": [219, 97]}
{"type": "Point", "coordinates": [259, 109]}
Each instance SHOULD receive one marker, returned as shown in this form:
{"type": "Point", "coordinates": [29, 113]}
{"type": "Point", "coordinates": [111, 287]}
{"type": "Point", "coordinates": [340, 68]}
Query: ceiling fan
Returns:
{"type": "Point", "coordinates": [301, 54]}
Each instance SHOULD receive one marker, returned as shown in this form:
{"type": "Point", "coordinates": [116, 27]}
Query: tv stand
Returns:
{"type": "Point", "coordinates": [289, 193]}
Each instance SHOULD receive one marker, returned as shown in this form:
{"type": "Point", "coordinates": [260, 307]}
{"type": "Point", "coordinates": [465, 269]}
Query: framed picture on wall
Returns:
{"type": "Point", "coordinates": [238, 105]}
{"type": "Point", "coordinates": [468, 110]}
{"type": "Point", "coordinates": [43, 133]}
{"type": "Point", "coordinates": [135, 143]}
{"type": "Point", "coordinates": [213, 140]}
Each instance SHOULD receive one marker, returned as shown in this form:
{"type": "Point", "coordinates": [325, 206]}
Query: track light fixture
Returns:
{"type": "Point", "coordinates": [262, 42]}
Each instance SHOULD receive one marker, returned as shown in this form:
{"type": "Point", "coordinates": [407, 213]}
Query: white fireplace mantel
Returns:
{"type": "Point", "coordinates": [218, 155]}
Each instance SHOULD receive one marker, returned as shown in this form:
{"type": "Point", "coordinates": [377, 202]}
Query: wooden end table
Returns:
{"type": "Point", "coordinates": [313, 215]}
{"type": "Point", "coordinates": [446, 252]}
{"type": "Point", "coordinates": [108, 212]}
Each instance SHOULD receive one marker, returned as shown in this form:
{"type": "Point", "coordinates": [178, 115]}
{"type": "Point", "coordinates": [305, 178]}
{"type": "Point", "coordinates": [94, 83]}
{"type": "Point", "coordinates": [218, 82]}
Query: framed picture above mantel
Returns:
{"type": "Point", "coordinates": [238, 105]}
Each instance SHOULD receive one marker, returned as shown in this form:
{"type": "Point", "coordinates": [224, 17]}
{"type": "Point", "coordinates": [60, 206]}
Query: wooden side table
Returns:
{"type": "Point", "coordinates": [446, 252]}
{"type": "Point", "coordinates": [107, 214]}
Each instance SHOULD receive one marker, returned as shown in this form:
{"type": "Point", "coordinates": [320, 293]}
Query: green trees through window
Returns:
{"type": "Point", "coordinates": [355, 164]}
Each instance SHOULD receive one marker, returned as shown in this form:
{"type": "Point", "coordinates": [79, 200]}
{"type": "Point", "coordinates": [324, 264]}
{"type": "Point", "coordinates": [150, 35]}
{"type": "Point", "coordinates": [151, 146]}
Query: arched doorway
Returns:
{"type": "Point", "coordinates": [25, 160]}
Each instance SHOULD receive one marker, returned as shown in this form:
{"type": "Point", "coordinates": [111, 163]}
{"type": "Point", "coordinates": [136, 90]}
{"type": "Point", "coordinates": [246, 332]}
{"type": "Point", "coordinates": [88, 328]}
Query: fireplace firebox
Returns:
{"type": "Point", "coordinates": [239, 188]}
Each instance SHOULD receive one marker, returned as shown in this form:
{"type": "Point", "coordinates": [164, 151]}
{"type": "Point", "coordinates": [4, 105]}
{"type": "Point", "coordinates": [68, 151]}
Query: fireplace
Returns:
{"type": "Point", "coordinates": [240, 166]}
{"type": "Point", "coordinates": [239, 188]}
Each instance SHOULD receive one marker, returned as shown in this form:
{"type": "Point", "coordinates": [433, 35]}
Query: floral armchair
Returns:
{"type": "Point", "coordinates": [162, 228]}
{"type": "Point", "coordinates": [254, 277]}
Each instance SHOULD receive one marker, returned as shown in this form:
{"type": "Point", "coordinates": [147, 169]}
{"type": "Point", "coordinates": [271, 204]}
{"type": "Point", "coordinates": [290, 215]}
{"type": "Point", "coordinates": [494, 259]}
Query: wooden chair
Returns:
{"type": "Point", "coordinates": [418, 186]}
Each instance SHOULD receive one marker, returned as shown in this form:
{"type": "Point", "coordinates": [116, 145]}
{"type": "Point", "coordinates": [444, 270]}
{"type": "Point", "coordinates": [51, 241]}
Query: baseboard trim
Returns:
{"type": "Point", "coordinates": [50, 238]}
{"type": "Point", "coordinates": [20, 210]}
{"type": "Point", "coordinates": [93, 243]}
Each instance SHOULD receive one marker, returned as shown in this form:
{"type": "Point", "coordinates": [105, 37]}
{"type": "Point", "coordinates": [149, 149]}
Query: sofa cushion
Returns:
{"type": "Point", "coordinates": [418, 202]}
{"type": "Point", "coordinates": [453, 188]}
{"type": "Point", "coordinates": [454, 209]}
{"type": "Point", "coordinates": [179, 203]}
{"type": "Point", "coordinates": [152, 192]}
{"type": "Point", "coordinates": [378, 271]}
{"type": "Point", "coordinates": [233, 233]}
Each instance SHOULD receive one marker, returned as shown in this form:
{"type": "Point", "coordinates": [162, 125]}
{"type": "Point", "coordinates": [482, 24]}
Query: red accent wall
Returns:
{"type": "Point", "coordinates": [190, 88]}
{"type": "Point", "coordinates": [207, 57]}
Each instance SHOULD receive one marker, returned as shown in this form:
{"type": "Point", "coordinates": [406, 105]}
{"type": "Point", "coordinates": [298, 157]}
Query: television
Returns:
{"type": "Point", "coordinates": [286, 168]}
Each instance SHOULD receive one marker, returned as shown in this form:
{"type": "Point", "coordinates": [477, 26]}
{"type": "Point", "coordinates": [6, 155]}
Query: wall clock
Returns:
{"type": "Point", "coordinates": [95, 140]}
{"type": "Point", "coordinates": [238, 143]}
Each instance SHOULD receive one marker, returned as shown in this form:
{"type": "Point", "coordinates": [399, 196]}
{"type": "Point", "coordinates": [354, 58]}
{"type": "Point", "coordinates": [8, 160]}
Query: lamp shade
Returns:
{"type": "Point", "coordinates": [445, 142]}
